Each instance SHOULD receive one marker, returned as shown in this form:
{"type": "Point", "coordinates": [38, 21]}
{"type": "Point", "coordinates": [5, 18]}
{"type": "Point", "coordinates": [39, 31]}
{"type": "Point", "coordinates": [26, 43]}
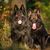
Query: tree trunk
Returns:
{"type": "Point", "coordinates": [18, 3]}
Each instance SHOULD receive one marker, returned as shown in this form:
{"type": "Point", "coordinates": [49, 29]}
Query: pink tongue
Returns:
{"type": "Point", "coordinates": [34, 26]}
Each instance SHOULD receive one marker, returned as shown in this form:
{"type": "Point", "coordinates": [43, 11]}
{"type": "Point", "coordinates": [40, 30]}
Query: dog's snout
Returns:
{"type": "Point", "coordinates": [19, 21]}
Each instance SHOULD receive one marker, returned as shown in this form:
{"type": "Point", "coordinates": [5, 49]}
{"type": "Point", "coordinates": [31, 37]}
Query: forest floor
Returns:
{"type": "Point", "coordinates": [16, 48]}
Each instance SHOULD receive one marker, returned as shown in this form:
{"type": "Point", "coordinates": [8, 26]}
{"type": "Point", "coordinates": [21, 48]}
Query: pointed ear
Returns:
{"type": "Point", "coordinates": [29, 12]}
{"type": "Point", "coordinates": [22, 7]}
{"type": "Point", "coordinates": [16, 7]}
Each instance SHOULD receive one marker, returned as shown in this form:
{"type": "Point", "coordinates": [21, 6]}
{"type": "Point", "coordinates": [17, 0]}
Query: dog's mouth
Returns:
{"type": "Point", "coordinates": [34, 26]}
{"type": "Point", "coordinates": [19, 22]}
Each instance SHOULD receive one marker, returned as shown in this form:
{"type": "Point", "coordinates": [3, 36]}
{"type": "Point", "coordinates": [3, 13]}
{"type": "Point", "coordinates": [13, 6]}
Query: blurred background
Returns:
{"type": "Point", "coordinates": [5, 19]}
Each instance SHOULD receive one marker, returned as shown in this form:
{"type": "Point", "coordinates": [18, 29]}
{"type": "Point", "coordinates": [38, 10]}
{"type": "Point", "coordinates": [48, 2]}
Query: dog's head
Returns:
{"type": "Point", "coordinates": [35, 22]}
{"type": "Point", "coordinates": [19, 20]}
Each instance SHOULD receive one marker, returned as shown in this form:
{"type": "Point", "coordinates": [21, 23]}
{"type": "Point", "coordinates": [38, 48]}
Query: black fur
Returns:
{"type": "Point", "coordinates": [20, 31]}
{"type": "Point", "coordinates": [40, 34]}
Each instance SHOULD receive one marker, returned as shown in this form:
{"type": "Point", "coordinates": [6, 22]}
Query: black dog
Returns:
{"type": "Point", "coordinates": [20, 28]}
{"type": "Point", "coordinates": [38, 32]}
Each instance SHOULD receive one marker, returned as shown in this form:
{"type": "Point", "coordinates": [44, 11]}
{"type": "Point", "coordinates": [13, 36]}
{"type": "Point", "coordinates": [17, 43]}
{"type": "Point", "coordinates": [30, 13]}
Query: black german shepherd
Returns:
{"type": "Point", "coordinates": [20, 28]}
{"type": "Point", "coordinates": [38, 31]}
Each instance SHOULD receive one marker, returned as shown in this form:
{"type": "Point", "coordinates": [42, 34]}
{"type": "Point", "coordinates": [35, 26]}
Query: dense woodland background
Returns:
{"type": "Point", "coordinates": [5, 26]}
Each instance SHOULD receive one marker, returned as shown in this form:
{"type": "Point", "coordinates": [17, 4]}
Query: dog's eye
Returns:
{"type": "Point", "coordinates": [16, 17]}
{"type": "Point", "coordinates": [23, 18]}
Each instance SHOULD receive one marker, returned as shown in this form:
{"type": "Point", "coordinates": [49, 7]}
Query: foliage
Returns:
{"type": "Point", "coordinates": [5, 32]}
{"type": "Point", "coordinates": [1, 24]}
{"type": "Point", "coordinates": [30, 4]}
